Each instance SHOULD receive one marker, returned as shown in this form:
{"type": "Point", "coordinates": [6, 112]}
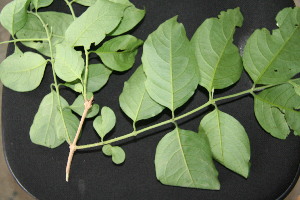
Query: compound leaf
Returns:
{"type": "Point", "coordinates": [66, 125]}
{"type": "Point", "coordinates": [172, 76]}
{"type": "Point", "coordinates": [218, 59]}
{"type": "Point", "coordinates": [95, 23]}
{"type": "Point", "coordinates": [22, 72]}
{"type": "Point", "coordinates": [274, 58]}
{"type": "Point", "coordinates": [119, 53]}
{"type": "Point", "coordinates": [14, 15]}
{"type": "Point", "coordinates": [98, 76]}
{"type": "Point", "coordinates": [43, 130]}
{"type": "Point", "coordinates": [106, 122]}
{"type": "Point", "coordinates": [183, 158]}
{"type": "Point", "coordinates": [228, 141]}
{"type": "Point", "coordinates": [68, 63]}
{"type": "Point", "coordinates": [135, 100]}
{"type": "Point", "coordinates": [276, 110]}
{"type": "Point", "coordinates": [78, 107]}
{"type": "Point", "coordinates": [58, 22]}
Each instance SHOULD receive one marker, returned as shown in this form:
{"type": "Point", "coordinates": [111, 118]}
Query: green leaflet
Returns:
{"type": "Point", "coordinates": [75, 85]}
{"type": "Point", "coordinates": [78, 107]}
{"type": "Point", "coordinates": [135, 100]}
{"type": "Point", "coordinates": [66, 126]}
{"type": "Point", "coordinates": [68, 63]}
{"type": "Point", "coordinates": [119, 53]}
{"type": "Point", "coordinates": [105, 123]}
{"type": "Point", "coordinates": [14, 15]}
{"type": "Point", "coordinates": [117, 153]}
{"type": "Point", "coordinates": [183, 158]}
{"type": "Point", "coordinates": [271, 59]}
{"type": "Point", "coordinates": [171, 72]}
{"type": "Point", "coordinates": [59, 22]}
{"type": "Point", "coordinates": [22, 72]}
{"type": "Point", "coordinates": [42, 131]}
{"type": "Point", "coordinates": [86, 2]}
{"type": "Point", "coordinates": [40, 3]}
{"type": "Point", "coordinates": [93, 25]}
{"type": "Point", "coordinates": [275, 110]}
{"type": "Point", "coordinates": [228, 141]}
{"type": "Point", "coordinates": [218, 58]}
{"type": "Point", "coordinates": [132, 16]}
{"type": "Point", "coordinates": [296, 87]}
{"type": "Point", "coordinates": [98, 76]}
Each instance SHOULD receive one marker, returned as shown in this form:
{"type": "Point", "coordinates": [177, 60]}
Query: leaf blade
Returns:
{"type": "Point", "coordinates": [183, 158]}
{"type": "Point", "coordinates": [105, 123]}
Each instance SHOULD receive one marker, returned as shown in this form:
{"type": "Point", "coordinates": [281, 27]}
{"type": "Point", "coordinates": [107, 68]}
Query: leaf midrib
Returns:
{"type": "Point", "coordinates": [276, 55]}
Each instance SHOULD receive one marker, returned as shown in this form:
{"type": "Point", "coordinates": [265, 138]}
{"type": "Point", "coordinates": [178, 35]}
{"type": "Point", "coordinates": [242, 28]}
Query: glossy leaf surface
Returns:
{"type": "Point", "coordinates": [228, 141]}
{"type": "Point", "coordinates": [217, 57]}
{"type": "Point", "coordinates": [171, 72]}
{"type": "Point", "coordinates": [183, 158]}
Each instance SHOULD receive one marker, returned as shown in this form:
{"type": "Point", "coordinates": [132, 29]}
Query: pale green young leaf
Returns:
{"type": "Point", "coordinates": [22, 72]}
{"type": "Point", "coordinates": [68, 63]}
{"type": "Point", "coordinates": [36, 4]}
{"type": "Point", "coordinates": [118, 155]}
{"type": "Point", "coordinates": [105, 123]}
{"type": "Point", "coordinates": [98, 76]}
{"type": "Point", "coordinates": [274, 58]}
{"type": "Point", "coordinates": [14, 15]}
{"type": "Point", "coordinates": [57, 22]}
{"type": "Point", "coordinates": [183, 158]}
{"type": "Point", "coordinates": [228, 141]}
{"type": "Point", "coordinates": [132, 16]}
{"type": "Point", "coordinates": [43, 130]}
{"type": "Point", "coordinates": [119, 53]}
{"type": "Point", "coordinates": [275, 110]}
{"type": "Point", "coordinates": [218, 59]}
{"type": "Point", "coordinates": [172, 76]}
{"type": "Point", "coordinates": [66, 125]}
{"type": "Point", "coordinates": [78, 107]}
{"type": "Point", "coordinates": [95, 23]}
{"type": "Point", "coordinates": [135, 100]}
{"type": "Point", "coordinates": [106, 149]}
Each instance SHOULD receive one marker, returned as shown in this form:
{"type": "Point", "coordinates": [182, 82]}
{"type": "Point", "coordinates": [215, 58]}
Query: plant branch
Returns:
{"type": "Point", "coordinates": [210, 102]}
{"type": "Point", "coordinates": [86, 71]}
{"type": "Point", "coordinates": [87, 106]}
{"type": "Point", "coordinates": [71, 8]}
{"type": "Point", "coordinates": [24, 40]}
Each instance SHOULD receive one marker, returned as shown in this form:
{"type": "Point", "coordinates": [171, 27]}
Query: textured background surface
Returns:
{"type": "Point", "coordinates": [9, 188]}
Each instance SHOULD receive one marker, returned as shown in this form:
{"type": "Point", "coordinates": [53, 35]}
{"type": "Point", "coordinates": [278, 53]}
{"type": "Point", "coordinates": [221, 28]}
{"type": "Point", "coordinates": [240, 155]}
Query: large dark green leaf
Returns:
{"type": "Point", "coordinates": [172, 76]}
{"type": "Point", "coordinates": [274, 58]}
{"type": "Point", "coordinates": [228, 141]}
{"type": "Point", "coordinates": [276, 110]}
{"type": "Point", "coordinates": [218, 58]}
{"type": "Point", "coordinates": [183, 158]}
